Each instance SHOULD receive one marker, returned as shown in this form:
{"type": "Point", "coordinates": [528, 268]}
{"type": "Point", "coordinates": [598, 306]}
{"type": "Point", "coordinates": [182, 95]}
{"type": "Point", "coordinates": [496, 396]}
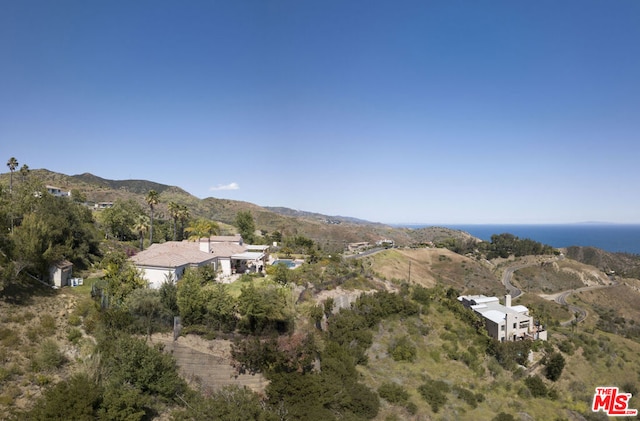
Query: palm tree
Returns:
{"type": "Point", "coordinates": [183, 216]}
{"type": "Point", "coordinates": [202, 228]}
{"type": "Point", "coordinates": [174, 212]}
{"type": "Point", "coordinates": [141, 226]}
{"type": "Point", "coordinates": [24, 171]}
{"type": "Point", "coordinates": [12, 163]}
{"type": "Point", "coordinates": [152, 200]}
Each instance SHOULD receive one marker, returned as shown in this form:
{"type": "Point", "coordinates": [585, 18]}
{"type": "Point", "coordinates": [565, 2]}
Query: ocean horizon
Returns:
{"type": "Point", "coordinates": [610, 237]}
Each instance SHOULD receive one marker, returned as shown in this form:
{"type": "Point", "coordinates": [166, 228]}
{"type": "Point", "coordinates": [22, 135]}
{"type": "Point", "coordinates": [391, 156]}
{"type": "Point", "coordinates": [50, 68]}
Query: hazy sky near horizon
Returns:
{"type": "Point", "coordinates": [438, 112]}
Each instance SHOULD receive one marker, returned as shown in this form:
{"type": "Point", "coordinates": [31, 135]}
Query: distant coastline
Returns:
{"type": "Point", "coordinates": [606, 236]}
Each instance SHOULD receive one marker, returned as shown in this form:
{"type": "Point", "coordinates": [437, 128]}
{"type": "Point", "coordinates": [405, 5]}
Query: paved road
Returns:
{"type": "Point", "coordinates": [514, 291]}
{"type": "Point", "coordinates": [365, 253]}
{"type": "Point", "coordinates": [561, 298]}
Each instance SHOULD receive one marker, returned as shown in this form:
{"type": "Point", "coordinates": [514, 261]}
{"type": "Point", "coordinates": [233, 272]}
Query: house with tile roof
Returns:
{"type": "Point", "coordinates": [169, 260]}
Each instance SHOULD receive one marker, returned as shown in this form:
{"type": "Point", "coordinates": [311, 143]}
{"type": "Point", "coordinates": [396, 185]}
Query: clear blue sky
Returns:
{"type": "Point", "coordinates": [436, 112]}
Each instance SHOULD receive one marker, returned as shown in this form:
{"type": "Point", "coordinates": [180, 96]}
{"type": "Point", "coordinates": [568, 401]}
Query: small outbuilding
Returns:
{"type": "Point", "coordinates": [60, 273]}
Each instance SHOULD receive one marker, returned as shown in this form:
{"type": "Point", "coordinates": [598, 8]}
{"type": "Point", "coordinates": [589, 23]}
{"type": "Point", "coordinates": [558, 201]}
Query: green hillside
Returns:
{"type": "Point", "coordinates": [321, 228]}
{"type": "Point", "coordinates": [378, 335]}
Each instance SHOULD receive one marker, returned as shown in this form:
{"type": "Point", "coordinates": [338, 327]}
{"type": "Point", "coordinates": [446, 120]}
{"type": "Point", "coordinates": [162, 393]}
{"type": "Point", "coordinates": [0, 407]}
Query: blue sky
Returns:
{"type": "Point", "coordinates": [438, 112]}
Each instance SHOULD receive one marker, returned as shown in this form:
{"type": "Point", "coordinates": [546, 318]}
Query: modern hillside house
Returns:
{"type": "Point", "coordinates": [58, 192]}
{"type": "Point", "coordinates": [227, 255]}
{"type": "Point", "coordinates": [504, 322]}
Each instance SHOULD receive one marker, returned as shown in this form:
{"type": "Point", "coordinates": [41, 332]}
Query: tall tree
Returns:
{"type": "Point", "coordinates": [202, 228]}
{"type": "Point", "coordinates": [119, 219]}
{"type": "Point", "coordinates": [24, 171]}
{"type": "Point", "coordinates": [174, 212]}
{"type": "Point", "coordinates": [183, 217]}
{"type": "Point", "coordinates": [141, 227]}
{"type": "Point", "coordinates": [52, 230]}
{"type": "Point", "coordinates": [122, 277]}
{"type": "Point", "coordinates": [152, 200]}
{"type": "Point", "coordinates": [12, 163]}
{"type": "Point", "coordinates": [246, 225]}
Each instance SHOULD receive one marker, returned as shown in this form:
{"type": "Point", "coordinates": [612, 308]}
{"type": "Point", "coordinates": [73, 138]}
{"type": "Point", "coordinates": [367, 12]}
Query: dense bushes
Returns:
{"type": "Point", "coordinates": [402, 349]}
{"type": "Point", "coordinates": [231, 403]}
{"type": "Point", "coordinates": [554, 364]}
{"type": "Point", "coordinates": [130, 361]}
{"type": "Point", "coordinates": [504, 245]}
{"type": "Point", "coordinates": [335, 387]}
{"type": "Point", "coordinates": [434, 392]}
{"type": "Point", "coordinates": [510, 354]}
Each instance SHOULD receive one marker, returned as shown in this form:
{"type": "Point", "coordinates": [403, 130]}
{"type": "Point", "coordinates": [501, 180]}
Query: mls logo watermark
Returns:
{"type": "Point", "coordinates": [612, 402]}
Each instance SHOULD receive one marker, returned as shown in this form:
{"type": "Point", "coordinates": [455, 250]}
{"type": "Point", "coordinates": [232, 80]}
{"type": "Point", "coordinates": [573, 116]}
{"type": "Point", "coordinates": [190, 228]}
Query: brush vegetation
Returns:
{"type": "Point", "coordinates": [380, 336]}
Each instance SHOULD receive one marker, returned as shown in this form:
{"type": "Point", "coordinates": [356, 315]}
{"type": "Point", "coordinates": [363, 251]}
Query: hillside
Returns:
{"type": "Point", "coordinates": [331, 232]}
{"type": "Point", "coordinates": [435, 266]}
{"type": "Point", "coordinates": [623, 264]}
{"type": "Point", "coordinates": [604, 349]}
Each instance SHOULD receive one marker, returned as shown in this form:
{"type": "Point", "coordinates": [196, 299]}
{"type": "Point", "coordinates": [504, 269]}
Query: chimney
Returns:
{"type": "Point", "coordinates": [507, 300]}
{"type": "Point", "coordinates": [205, 245]}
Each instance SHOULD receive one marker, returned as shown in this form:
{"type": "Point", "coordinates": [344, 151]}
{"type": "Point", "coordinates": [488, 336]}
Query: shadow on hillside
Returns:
{"type": "Point", "coordinates": [22, 292]}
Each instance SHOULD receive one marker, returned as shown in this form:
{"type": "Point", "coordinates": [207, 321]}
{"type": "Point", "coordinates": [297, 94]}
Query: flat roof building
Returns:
{"type": "Point", "coordinates": [504, 322]}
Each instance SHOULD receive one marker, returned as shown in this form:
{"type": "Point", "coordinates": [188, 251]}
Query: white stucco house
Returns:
{"type": "Point", "coordinates": [228, 255]}
{"type": "Point", "coordinates": [504, 322]}
{"type": "Point", "coordinates": [57, 191]}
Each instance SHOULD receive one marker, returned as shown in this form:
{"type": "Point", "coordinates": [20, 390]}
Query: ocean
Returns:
{"type": "Point", "coordinates": [610, 237]}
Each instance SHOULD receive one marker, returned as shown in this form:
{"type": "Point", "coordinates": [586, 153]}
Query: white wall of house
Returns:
{"type": "Point", "coordinates": [156, 276]}
{"type": "Point", "coordinates": [517, 326]}
{"type": "Point", "coordinates": [224, 266]}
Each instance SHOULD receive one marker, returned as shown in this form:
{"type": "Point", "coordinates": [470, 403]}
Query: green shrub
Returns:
{"type": "Point", "coordinates": [503, 416]}
{"type": "Point", "coordinates": [536, 386]}
{"type": "Point", "coordinates": [74, 335]}
{"type": "Point", "coordinates": [554, 364]}
{"type": "Point", "coordinates": [411, 408]}
{"type": "Point", "coordinates": [472, 399]}
{"type": "Point", "coordinates": [76, 399]}
{"type": "Point", "coordinates": [393, 393]}
{"type": "Point", "coordinates": [131, 361]}
{"type": "Point", "coordinates": [434, 392]}
{"type": "Point", "coordinates": [567, 347]}
{"type": "Point", "coordinates": [48, 357]}
{"type": "Point", "coordinates": [74, 319]}
{"type": "Point", "coordinates": [402, 349]}
{"type": "Point", "coordinates": [422, 295]}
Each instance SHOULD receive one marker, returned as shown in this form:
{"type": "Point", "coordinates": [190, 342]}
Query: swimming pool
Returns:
{"type": "Point", "coordinates": [289, 263]}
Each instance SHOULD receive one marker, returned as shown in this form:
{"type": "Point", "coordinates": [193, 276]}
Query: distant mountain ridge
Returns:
{"type": "Point", "coordinates": [134, 186]}
{"type": "Point", "coordinates": [327, 231]}
{"type": "Point", "coordinates": [313, 215]}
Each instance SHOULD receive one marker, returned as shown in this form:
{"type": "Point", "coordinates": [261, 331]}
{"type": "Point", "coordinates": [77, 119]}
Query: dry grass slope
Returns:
{"type": "Point", "coordinates": [433, 266]}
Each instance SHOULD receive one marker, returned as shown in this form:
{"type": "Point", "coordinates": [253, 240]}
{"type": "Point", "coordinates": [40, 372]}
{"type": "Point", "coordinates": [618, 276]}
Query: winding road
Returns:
{"type": "Point", "coordinates": [513, 290]}
{"type": "Point", "coordinates": [560, 298]}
